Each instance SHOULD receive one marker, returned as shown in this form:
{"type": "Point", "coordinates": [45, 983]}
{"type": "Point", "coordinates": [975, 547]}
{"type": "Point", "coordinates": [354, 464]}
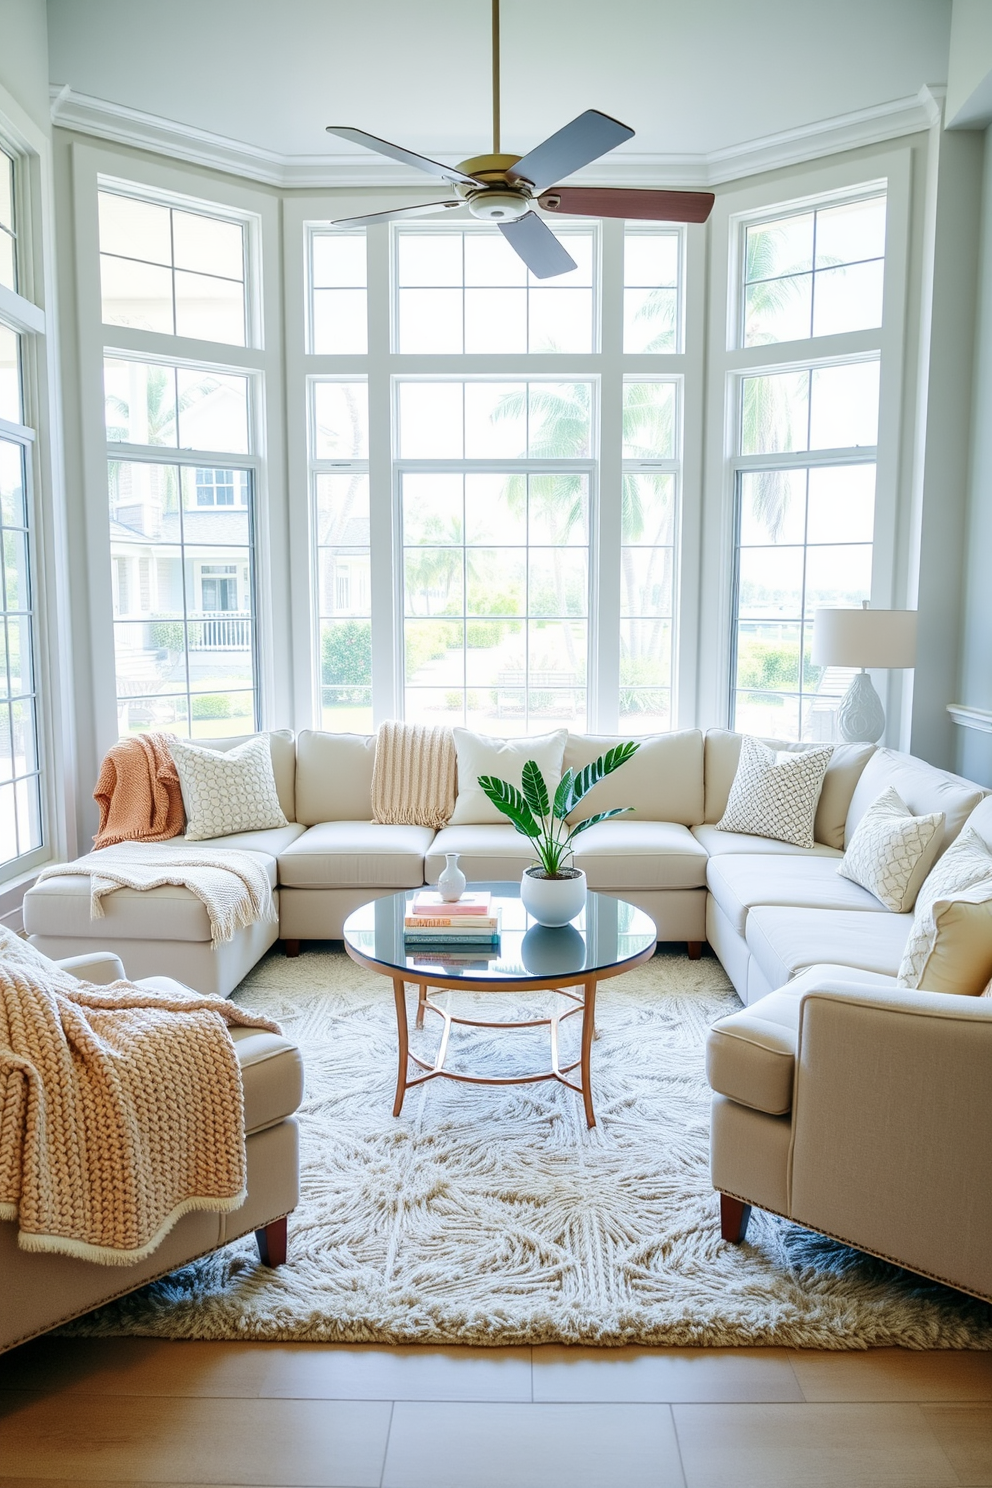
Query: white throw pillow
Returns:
{"type": "Point", "coordinates": [892, 851]}
{"type": "Point", "coordinates": [950, 945]}
{"type": "Point", "coordinates": [481, 754]}
{"type": "Point", "coordinates": [227, 791]}
{"type": "Point", "coordinates": [774, 793]}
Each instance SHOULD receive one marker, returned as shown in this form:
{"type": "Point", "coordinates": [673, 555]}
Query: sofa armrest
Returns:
{"type": "Point", "coordinates": [95, 966]}
{"type": "Point", "coordinates": [892, 1126]}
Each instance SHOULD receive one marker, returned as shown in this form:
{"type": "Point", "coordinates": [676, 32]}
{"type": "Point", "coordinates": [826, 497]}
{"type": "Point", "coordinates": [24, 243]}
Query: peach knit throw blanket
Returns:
{"type": "Point", "coordinates": [413, 777]}
{"type": "Point", "coordinates": [121, 1109]}
{"type": "Point", "coordinates": [138, 792]}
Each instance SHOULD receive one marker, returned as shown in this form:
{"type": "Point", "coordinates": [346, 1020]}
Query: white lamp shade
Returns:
{"type": "Point", "coordinates": [864, 638]}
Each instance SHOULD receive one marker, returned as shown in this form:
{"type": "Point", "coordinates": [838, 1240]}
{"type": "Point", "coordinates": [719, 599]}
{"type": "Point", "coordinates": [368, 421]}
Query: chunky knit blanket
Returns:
{"type": "Point", "coordinates": [233, 886]}
{"type": "Point", "coordinates": [121, 1109]}
{"type": "Point", "coordinates": [138, 792]}
{"type": "Point", "coordinates": [413, 777]}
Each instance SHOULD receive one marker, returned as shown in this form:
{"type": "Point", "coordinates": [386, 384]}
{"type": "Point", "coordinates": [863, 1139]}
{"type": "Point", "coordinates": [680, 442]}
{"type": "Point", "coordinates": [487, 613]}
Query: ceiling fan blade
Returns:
{"type": "Point", "coordinates": [537, 245]}
{"type": "Point", "coordinates": [618, 201]}
{"type": "Point", "coordinates": [405, 157]}
{"type": "Point", "coordinates": [590, 135]}
{"type": "Point", "coordinates": [427, 210]}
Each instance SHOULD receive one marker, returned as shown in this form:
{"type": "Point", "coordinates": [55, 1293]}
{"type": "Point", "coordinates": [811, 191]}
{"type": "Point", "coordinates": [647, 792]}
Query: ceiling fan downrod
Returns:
{"type": "Point", "coordinates": [495, 77]}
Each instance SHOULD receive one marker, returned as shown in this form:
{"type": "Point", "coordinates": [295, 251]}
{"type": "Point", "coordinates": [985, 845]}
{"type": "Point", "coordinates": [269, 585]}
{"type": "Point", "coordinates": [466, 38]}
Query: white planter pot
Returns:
{"type": "Point", "coordinates": [553, 901]}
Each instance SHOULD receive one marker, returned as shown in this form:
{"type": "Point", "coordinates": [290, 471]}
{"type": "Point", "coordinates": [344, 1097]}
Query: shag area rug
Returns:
{"type": "Point", "coordinates": [492, 1215]}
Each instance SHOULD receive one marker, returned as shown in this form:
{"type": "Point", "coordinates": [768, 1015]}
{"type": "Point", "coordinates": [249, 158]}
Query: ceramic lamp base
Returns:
{"type": "Point", "coordinates": [861, 715]}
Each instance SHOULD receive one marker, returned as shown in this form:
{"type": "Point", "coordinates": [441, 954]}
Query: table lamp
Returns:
{"type": "Point", "coordinates": [863, 638]}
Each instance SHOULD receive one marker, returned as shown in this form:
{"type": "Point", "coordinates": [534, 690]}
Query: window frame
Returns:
{"type": "Point", "coordinates": [26, 311]}
{"type": "Point", "coordinates": [815, 184]}
{"type": "Point", "coordinates": [608, 364]}
{"type": "Point", "coordinates": [95, 166]}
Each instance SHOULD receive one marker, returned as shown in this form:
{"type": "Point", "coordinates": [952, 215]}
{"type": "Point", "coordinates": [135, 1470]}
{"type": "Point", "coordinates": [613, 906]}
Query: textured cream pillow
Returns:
{"type": "Point", "coordinates": [227, 791]}
{"type": "Point", "coordinates": [892, 851]}
{"type": "Point", "coordinates": [950, 945]}
{"type": "Point", "coordinates": [775, 794]}
{"type": "Point", "coordinates": [481, 754]}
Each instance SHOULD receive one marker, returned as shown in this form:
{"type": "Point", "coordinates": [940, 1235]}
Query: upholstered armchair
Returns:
{"type": "Point", "coordinates": [40, 1291]}
{"type": "Point", "coordinates": [861, 1110]}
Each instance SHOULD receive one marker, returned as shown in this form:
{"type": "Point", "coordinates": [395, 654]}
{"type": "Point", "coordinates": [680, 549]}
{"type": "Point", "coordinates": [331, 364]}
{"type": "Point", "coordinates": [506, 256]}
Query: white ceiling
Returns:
{"type": "Point", "coordinates": [690, 76]}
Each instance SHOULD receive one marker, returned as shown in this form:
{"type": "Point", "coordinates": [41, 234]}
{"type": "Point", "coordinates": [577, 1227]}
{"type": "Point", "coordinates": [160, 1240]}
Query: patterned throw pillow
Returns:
{"type": "Point", "coordinates": [227, 791]}
{"type": "Point", "coordinates": [950, 945]}
{"type": "Point", "coordinates": [892, 851]}
{"type": "Point", "coordinates": [775, 794]}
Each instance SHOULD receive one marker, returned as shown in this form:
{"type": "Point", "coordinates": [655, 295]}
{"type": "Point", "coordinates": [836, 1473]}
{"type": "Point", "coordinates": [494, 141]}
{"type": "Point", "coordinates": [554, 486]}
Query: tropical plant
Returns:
{"type": "Point", "coordinates": [537, 815]}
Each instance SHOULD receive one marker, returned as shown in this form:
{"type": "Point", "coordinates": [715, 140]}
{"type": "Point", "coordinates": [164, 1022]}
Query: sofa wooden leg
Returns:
{"type": "Point", "coordinates": [695, 949]}
{"type": "Point", "coordinates": [271, 1243]}
{"type": "Point", "coordinates": [734, 1215]}
{"type": "Point", "coordinates": [291, 947]}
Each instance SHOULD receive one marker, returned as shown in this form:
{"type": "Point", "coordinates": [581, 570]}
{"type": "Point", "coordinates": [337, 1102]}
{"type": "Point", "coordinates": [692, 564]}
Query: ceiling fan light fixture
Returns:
{"type": "Point", "coordinates": [493, 205]}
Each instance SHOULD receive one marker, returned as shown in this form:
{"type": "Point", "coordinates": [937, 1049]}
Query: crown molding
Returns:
{"type": "Point", "coordinates": [127, 126]}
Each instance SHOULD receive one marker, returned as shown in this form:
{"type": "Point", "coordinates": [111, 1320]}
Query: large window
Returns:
{"type": "Point", "coordinates": [181, 551]}
{"type": "Point", "coordinates": [22, 832]}
{"type": "Point", "coordinates": [181, 474]}
{"type": "Point", "coordinates": [173, 271]}
{"type": "Point", "coordinates": [533, 555]}
{"type": "Point", "coordinates": [804, 473]}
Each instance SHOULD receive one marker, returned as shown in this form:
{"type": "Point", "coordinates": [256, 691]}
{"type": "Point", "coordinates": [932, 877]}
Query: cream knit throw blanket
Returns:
{"type": "Point", "coordinates": [121, 1109]}
{"type": "Point", "coordinates": [413, 778]}
{"type": "Point", "coordinates": [232, 886]}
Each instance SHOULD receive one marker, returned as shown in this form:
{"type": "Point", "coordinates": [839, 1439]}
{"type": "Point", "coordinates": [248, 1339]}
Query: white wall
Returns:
{"type": "Point", "coordinates": [974, 748]}
{"type": "Point", "coordinates": [24, 57]}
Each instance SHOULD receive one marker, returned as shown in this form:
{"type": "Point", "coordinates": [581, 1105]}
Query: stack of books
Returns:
{"type": "Point", "coordinates": [468, 923]}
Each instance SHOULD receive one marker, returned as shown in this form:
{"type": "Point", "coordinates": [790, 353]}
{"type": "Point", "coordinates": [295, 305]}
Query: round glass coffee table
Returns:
{"type": "Point", "coordinates": [607, 938]}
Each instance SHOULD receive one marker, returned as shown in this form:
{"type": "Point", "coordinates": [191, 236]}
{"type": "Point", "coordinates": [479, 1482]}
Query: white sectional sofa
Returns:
{"type": "Point", "coordinates": [768, 909]}
{"type": "Point", "coordinates": [844, 1102]}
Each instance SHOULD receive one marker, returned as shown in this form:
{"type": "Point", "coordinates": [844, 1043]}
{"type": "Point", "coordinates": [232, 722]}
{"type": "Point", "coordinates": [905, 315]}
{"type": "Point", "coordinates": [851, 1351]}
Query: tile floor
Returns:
{"type": "Point", "coordinates": [138, 1411]}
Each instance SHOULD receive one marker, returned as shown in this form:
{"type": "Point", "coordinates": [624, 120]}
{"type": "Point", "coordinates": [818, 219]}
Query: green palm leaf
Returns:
{"type": "Point", "coordinates": [563, 794]}
{"type": "Point", "coordinates": [597, 816]}
{"type": "Point", "coordinates": [592, 774]}
{"type": "Point", "coordinates": [534, 789]}
{"type": "Point", "coordinates": [507, 799]}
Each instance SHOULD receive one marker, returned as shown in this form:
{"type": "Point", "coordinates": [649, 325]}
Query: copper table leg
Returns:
{"type": "Point", "coordinates": [588, 1034]}
{"type": "Point", "coordinates": [403, 1039]}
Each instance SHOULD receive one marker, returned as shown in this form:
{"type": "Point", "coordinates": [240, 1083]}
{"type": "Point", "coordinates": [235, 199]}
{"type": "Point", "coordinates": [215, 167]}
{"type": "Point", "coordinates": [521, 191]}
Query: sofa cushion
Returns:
{"type": "Point", "coordinates": [775, 793]}
{"type": "Point", "coordinates": [485, 754]}
{"type": "Point", "coordinates": [923, 788]}
{"type": "Point", "coordinates": [270, 842]}
{"type": "Point", "coordinates": [950, 945]}
{"type": "Point", "coordinates": [227, 791]}
{"type": "Point", "coordinates": [716, 843]}
{"type": "Point", "coordinates": [722, 749]}
{"type": "Point", "coordinates": [626, 854]}
{"type": "Point", "coordinates": [282, 747]}
{"type": "Point", "coordinates": [739, 882]}
{"type": "Point", "coordinates": [663, 781]}
{"type": "Point", "coordinates": [891, 851]}
{"type": "Point", "coordinates": [333, 777]}
{"type": "Point", "coordinates": [61, 907]}
{"type": "Point", "coordinates": [486, 852]}
{"type": "Point", "coordinates": [751, 1055]}
{"type": "Point", "coordinates": [356, 854]}
{"type": "Point", "coordinates": [784, 941]}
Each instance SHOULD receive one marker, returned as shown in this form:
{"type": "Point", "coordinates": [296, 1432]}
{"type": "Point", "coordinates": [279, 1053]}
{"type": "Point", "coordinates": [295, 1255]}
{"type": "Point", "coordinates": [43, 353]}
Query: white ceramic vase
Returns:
{"type": "Point", "coordinates": [451, 883]}
{"type": "Point", "coordinates": [553, 901]}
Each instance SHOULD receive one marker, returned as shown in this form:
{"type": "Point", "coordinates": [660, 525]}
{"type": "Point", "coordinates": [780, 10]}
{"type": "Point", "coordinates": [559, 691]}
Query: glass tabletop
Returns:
{"type": "Point", "coordinates": [607, 933]}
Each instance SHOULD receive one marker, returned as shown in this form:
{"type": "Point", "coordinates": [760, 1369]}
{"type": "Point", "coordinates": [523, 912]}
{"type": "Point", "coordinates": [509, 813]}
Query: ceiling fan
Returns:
{"type": "Point", "coordinates": [503, 188]}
